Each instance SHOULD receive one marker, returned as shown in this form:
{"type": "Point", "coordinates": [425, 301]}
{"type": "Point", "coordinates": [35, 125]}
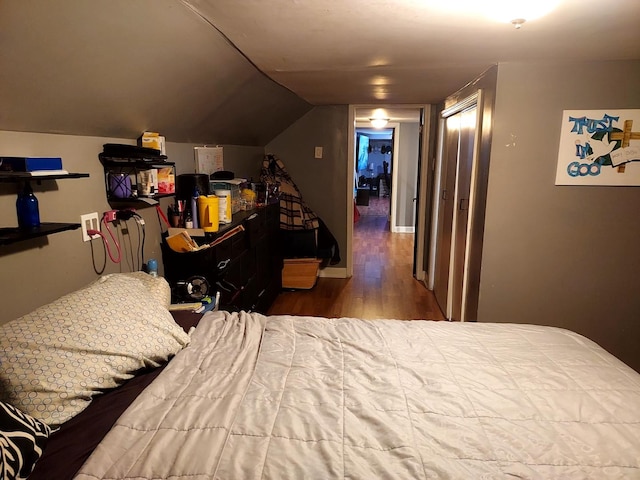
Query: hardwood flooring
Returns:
{"type": "Point", "coordinates": [382, 285]}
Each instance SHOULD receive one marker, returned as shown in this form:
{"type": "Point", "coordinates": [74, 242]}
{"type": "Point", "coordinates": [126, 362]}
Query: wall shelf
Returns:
{"type": "Point", "coordinates": [9, 235]}
{"type": "Point", "coordinates": [10, 177]}
{"type": "Point", "coordinates": [132, 168]}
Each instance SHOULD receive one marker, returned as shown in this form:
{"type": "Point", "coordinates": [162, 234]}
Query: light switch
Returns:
{"type": "Point", "coordinates": [318, 153]}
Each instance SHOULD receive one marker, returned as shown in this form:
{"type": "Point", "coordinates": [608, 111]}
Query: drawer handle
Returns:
{"type": "Point", "coordinates": [223, 264]}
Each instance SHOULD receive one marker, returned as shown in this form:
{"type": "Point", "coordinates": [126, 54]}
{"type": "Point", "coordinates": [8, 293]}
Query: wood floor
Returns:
{"type": "Point", "coordinates": [382, 285]}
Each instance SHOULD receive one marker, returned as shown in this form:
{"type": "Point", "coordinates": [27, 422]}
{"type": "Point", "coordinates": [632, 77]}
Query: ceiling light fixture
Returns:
{"type": "Point", "coordinates": [379, 122]}
{"type": "Point", "coordinates": [517, 22]}
{"type": "Point", "coordinates": [379, 118]}
{"type": "Point", "coordinates": [517, 12]}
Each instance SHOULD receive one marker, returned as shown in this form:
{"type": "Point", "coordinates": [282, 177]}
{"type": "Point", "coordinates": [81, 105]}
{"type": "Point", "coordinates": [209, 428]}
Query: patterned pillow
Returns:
{"type": "Point", "coordinates": [54, 359]}
{"type": "Point", "coordinates": [22, 440]}
{"type": "Point", "coordinates": [157, 287]}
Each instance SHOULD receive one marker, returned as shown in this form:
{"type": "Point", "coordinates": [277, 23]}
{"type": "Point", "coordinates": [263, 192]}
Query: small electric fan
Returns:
{"type": "Point", "coordinates": [193, 289]}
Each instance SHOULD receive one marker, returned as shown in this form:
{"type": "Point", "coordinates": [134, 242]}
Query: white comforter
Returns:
{"type": "Point", "coordinates": [310, 398]}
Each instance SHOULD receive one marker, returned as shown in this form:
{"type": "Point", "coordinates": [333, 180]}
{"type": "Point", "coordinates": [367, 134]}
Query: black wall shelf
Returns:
{"type": "Point", "coordinates": [9, 235]}
{"type": "Point", "coordinates": [18, 176]}
{"type": "Point", "coordinates": [132, 167]}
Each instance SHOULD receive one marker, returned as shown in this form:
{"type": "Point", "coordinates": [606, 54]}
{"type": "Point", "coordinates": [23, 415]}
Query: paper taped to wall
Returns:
{"type": "Point", "coordinates": [208, 159]}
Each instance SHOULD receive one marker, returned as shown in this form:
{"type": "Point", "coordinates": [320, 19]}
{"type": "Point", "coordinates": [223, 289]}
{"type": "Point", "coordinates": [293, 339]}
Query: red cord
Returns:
{"type": "Point", "coordinates": [104, 239]}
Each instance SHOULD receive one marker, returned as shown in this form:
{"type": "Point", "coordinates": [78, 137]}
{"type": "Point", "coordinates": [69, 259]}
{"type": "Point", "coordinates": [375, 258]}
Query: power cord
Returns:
{"type": "Point", "coordinates": [140, 221]}
{"type": "Point", "coordinates": [106, 219]}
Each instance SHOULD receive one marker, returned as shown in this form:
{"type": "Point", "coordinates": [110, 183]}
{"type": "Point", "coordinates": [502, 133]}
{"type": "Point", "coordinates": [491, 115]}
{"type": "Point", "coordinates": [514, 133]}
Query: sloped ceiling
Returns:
{"type": "Point", "coordinates": [412, 51]}
{"type": "Point", "coordinates": [241, 71]}
{"type": "Point", "coordinates": [117, 68]}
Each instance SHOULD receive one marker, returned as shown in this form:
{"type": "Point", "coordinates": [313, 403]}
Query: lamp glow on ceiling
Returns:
{"type": "Point", "coordinates": [508, 11]}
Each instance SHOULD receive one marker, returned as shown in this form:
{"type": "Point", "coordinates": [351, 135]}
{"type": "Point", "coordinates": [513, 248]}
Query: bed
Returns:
{"type": "Point", "coordinates": [249, 396]}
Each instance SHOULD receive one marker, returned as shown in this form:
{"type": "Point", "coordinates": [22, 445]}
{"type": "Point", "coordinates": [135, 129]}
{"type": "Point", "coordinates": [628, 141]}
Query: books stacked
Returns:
{"type": "Point", "coordinates": [31, 166]}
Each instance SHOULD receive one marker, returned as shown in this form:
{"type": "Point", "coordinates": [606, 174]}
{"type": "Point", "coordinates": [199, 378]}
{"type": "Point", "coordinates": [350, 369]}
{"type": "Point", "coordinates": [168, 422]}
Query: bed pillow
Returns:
{"type": "Point", "coordinates": [22, 440]}
{"type": "Point", "coordinates": [157, 287]}
{"type": "Point", "coordinates": [54, 359]}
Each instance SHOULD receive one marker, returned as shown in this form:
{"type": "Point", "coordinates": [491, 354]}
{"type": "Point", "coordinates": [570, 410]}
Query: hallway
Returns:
{"type": "Point", "coordinates": [382, 285]}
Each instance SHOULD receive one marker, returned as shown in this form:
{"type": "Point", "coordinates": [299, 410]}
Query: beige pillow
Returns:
{"type": "Point", "coordinates": [157, 287]}
{"type": "Point", "coordinates": [54, 359]}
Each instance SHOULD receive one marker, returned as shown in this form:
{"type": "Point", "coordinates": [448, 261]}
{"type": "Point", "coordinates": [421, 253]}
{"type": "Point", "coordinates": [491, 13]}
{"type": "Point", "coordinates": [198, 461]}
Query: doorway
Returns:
{"type": "Point", "coordinates": [406, 123]}
{"type": "Point", "coordinates": [373, 173]}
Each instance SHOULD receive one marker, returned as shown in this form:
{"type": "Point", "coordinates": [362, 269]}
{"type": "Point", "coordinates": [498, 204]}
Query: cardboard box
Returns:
{"type": "Point", "coordinates": [166, 180]}
{"type": "Point", "coordinates": [300, 273]}
{"type": "Point", "coordinates": [152, 140]}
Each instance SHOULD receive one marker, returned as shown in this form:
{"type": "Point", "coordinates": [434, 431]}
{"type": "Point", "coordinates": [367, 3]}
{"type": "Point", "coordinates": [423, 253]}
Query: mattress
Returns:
{"type": "Point", "coordinates": [306, 397]}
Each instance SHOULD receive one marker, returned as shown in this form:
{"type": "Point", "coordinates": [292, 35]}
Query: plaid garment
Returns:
{"type": "Point", "coordinates": [294, 213]}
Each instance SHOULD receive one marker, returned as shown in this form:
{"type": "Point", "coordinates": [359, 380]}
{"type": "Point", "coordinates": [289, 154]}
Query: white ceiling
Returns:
{"type": "Point", "coordinates": [409, 51]}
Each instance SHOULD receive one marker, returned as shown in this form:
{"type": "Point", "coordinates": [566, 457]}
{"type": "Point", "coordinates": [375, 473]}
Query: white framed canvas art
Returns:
{"type": "Point", "coordinates": [599, 147]}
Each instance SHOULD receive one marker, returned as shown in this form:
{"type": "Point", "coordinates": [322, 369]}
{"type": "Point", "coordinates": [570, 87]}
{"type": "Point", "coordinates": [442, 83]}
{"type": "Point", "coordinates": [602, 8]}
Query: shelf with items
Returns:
{"type": "Point", "coordinates": [9, 235]}
{"type": "Point", "coordinates": [134, 182]}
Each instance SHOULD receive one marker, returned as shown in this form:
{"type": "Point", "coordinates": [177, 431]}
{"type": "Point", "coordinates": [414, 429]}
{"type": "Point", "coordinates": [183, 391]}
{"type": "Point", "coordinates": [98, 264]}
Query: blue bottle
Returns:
{"type": "Point", "coordinates": [27, 208]}
{"type": "Point", "coordinates": [152, 267]}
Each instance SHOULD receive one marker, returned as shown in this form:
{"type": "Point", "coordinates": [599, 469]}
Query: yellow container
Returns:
{"type": "Point", "coordinates": [208, 213]}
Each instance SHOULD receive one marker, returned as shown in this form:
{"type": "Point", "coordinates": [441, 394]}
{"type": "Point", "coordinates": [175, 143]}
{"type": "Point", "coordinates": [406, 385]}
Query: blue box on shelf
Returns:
{"type": "Point", "coordinates": [29, 164]}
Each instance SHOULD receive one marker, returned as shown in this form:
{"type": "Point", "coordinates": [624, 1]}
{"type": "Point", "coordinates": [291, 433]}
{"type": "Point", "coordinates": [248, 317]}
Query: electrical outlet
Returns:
{"type": "Point", "coordinates": [89, 221]}
{"type": "Point", "coordinates": [318, 152]}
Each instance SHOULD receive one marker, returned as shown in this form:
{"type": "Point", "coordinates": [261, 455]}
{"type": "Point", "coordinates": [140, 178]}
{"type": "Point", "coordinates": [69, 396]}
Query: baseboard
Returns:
{"type": "Point", "coordinates": [333, 272]}
{"type": "Point", "coordinates": [397, 229]}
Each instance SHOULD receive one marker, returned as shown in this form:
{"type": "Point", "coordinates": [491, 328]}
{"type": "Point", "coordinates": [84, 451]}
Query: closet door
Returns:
{"type": "Point", "coordinates": [451, 141]}
{"type": "Point", "coordinates": [461, 212]}
{"type": "Point", "coordinates": [453, 212]}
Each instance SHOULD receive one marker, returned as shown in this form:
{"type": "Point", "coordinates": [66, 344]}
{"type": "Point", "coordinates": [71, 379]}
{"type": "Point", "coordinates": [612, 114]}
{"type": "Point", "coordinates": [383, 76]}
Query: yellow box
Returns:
{"type": "Point", "coordinates": [300, 273]}
{"type": "Point", "coordinates": [152, 140]}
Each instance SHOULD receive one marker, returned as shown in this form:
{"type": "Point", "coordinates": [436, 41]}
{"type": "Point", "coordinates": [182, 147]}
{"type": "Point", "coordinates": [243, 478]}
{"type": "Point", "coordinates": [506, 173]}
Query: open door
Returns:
{"type": "Point", "coordinates": [446, 193]}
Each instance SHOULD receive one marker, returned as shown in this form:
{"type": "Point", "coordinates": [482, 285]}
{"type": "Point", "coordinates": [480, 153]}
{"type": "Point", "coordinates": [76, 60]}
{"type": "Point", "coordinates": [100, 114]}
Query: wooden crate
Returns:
{"type": "Point", "coordinates": [300, 273]}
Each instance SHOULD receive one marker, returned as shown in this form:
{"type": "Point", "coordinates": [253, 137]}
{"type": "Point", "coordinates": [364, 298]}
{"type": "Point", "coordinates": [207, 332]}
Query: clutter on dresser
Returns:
{"type": "Point", "coordinates": [241, 259]}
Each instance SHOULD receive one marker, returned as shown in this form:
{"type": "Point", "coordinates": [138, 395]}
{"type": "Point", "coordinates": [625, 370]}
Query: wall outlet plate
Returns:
{"type": "Point", "coordinates": [89, 221]}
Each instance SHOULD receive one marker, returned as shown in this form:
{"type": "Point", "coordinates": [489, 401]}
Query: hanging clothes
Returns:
{"type": "Point", "coordinates": [295, 214]}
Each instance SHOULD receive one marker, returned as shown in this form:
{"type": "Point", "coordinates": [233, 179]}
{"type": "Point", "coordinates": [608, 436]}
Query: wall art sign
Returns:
{"type": "Point", "coordinates": [599, 147]}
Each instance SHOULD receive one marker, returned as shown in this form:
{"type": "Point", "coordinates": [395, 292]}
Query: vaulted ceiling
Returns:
{"type": "Point", "coordinates": [240, 71]}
